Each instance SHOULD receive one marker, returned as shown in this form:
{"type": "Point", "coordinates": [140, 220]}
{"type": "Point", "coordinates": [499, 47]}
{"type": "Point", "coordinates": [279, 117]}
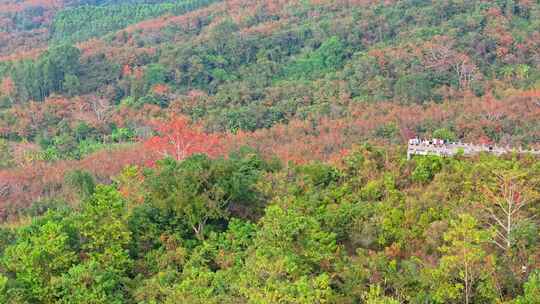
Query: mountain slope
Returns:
{"type": "Point", "coordinates": [253, 151]}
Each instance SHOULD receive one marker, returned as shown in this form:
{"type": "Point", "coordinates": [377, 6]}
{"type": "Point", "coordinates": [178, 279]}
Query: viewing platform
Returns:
{"type": "Point", "coordinates": [441, 148]}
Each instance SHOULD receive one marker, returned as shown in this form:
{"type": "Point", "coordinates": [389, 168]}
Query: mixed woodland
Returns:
{"type": "Point", "coordinates": [254, 151]}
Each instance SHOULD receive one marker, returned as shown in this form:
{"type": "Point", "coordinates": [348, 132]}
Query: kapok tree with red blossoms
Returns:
{"type": "Point", "coordinates": [176, 138]}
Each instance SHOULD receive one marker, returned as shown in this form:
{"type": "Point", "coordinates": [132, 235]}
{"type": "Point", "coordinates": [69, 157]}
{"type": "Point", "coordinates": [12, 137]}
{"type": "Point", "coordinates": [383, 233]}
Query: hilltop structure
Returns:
{"type": "Point", "coordinates": [442, 148]}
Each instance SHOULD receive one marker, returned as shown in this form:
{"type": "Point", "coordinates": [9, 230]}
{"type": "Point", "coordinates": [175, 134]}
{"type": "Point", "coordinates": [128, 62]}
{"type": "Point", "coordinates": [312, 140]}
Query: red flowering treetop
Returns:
{"type": "Point", "coordinates": [178, 139]}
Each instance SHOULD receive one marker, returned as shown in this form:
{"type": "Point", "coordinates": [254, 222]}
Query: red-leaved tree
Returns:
{"type": "Point", "coordinates": [177, 139]}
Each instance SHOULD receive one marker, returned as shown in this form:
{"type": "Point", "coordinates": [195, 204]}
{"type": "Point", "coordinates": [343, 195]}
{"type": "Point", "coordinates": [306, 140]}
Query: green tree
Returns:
{"type": "Point", "coordinates": [58, 63]}
{"type": "Point", "coordinates": [71, 84]}
{"type": "Point", "coordinates": [58, 66]}
{"type": "Point", "coordinates": [82, 182]}
{"type": "Point", "coordinates": [200, 189]}
{"type": "Point", "coordinates": [374, 296]}
{"type": "Point", "coordinates": [41, 255]}
{"type": "Point", "coordinates": [328, 57]}
{"type": "Point", "coordinates": [445, 134]}
{"type": "Point", "coordinates": [90, 283]}
{"type": "Point", "coordinates": [319, 174]}
{"type": "Point", "coordinates": [3, 289]}
{"type": "Point", "coordinates": [190, 190]}
{"type": "Point", "coordinates": [6, 157]}
{"type": "Point", "coordinates": [104, 231]}
{"type": "Point", "coordinates": [531, 293]}
{"type": "Point", "coordinates": [292, 260]}
{"type": "Point", "coordinates": [416, 88]}
{"type": "Point", "coordinates": [464, 271]}
{"type": "Point", "coordinates": [426, 168]}
{"type": "Point", "coordinates": [154, 74]}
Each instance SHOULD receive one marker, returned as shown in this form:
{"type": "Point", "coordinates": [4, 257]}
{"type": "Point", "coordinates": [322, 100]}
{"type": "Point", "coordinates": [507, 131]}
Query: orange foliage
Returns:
{"type": "Point", "coordinates": [126, 70]}
{"type": "Point", "coordinates": [21, 186]}
{"type": "Point", "coordinates": [187, 21]}
{"type": "Point", "coordinates": [31, 181]}
{"type": "Point", "coordinates": [299, 141]}
{"type": "Point", "coordinates": [179, 140]}
{"type": "Point", "coordinates": [326, 139]}
{"type": "Point", "coordinates": [124, 54]}
{"type": "Point", "coordinates": [531, 93]}
{"type": "Point", "coordinates": [7, 87]}
{"type": "Point", "coordinates": [37, 116]}
{"type": "Point", "coordinates": [22, 55]}
{"type": "Point", "coordinates": [265, 28]}
{"type": "Point", "coordinates": [161, 89]}
{"type": "Point", "coordinates": [128, 116]}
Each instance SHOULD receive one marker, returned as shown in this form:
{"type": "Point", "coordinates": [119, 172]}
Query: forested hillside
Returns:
{"type": "Point", "coordinates": [368, 228]}
{"type": "Point", "coordinates": [252, 151]}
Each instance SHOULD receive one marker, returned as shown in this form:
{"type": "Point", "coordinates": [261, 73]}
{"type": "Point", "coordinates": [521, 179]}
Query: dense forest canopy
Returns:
{"type": "Point", "coordinates": [252, 151]}
{"type": "Point", "coordinates": [368, 228]}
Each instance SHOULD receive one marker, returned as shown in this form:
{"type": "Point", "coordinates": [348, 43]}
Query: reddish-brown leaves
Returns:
{"type": "Point", "coordinates": [7, 87]}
